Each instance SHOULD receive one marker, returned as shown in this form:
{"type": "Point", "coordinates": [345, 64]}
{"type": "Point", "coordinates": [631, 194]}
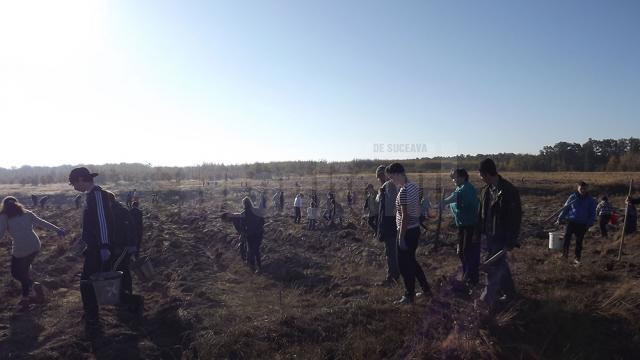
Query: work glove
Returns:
{"type": "Point", "coordinates": [61, 232]}
{"type": "Point", "coordinates": [105, 254]}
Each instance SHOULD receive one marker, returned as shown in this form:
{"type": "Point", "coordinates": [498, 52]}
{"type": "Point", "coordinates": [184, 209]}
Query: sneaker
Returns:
{"type": "Point", "coordinates": [576, 262]}
{"type": "Point", "coordinates": [405, 300]}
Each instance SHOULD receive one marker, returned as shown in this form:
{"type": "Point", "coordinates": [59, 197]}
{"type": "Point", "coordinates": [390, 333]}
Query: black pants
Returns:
{"type": "Point", "coordinates": [499, 278]}
{"type": "Point", "coordinates": [469, 254]}
{"type": "Point", "coordinates": [579, 230]}
{"type": "Point", "coordinates": [254, 242]}
{"type": "Point", "coordinates": [604, 221]}
{"type": "Point", "coordinates": [410, 269]}
{"type": "Point", "coordinates": [20, 271]}
{"type": "Point", "coordinates": [298, 215]}
{"type": "Point", "coordinates": [373, 222]}
{"type": "Point", "coordinates": [312, 224]}
{"type": "Point", "coordinates": [92, 265]}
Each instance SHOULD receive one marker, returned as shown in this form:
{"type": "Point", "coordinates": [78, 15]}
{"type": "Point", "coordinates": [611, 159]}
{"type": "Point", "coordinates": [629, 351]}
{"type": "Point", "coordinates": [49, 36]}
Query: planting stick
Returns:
{"type": "Point", "coordinates": [624, 223]}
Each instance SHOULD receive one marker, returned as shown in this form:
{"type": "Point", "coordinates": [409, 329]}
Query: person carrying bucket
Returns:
{"type": "Point", "coordinates": [97, 235]}
{"type": "Point", "coordinates": [499, 221]}
{"type": "Point", "coordinates": [580, 214]}
{"type": "Point", "coordinates": [19, 222]}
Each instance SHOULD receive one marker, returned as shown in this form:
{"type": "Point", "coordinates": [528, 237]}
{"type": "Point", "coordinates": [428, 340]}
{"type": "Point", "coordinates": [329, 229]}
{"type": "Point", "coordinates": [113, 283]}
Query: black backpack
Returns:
{"type": "Point", "coordinates": [123, 227]}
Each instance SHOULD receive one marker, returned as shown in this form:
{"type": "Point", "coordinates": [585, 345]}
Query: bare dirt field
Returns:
{"type": "Point", "coordinates": [316, 297]}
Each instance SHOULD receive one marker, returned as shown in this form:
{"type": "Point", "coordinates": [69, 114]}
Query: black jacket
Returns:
{"type": "Point", "coordinates": [97, 220]}
{"type": "Point", "coordinates": [506, 215]}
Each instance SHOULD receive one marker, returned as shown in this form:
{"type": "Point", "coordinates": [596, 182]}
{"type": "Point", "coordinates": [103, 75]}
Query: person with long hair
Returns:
{"type": "Point", "coordinates": [19, 222]}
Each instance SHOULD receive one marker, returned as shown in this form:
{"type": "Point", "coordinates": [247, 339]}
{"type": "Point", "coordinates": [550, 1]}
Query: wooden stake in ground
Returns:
{"type": "Point", "coordinates": [624, 223]}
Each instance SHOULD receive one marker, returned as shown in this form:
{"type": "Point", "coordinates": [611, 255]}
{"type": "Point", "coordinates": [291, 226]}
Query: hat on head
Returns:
{"type": "Point", "coordinates": [81, 172]}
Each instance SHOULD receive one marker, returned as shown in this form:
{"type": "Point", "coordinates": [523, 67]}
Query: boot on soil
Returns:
{"type": "Point", "coordinates": [39, 293]}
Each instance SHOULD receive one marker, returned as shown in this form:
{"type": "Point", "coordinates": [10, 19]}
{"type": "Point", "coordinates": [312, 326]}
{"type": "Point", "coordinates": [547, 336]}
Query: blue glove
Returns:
{"type": "Point", "coordinates": [105, 254]}
{"type": "Point", "coordinates": [61, 232]}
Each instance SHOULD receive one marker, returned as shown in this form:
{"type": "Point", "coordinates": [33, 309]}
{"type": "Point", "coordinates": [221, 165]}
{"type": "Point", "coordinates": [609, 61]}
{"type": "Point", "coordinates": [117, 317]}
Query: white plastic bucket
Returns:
{"type": "Point", "coordinates": [555, 240]}
{"type": "Point", "coordinates": [107, 287]}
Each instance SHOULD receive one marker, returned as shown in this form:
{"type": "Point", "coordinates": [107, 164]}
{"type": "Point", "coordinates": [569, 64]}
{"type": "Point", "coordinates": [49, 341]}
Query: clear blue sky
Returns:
{"type": "Point", "coordinates": [183, 82]}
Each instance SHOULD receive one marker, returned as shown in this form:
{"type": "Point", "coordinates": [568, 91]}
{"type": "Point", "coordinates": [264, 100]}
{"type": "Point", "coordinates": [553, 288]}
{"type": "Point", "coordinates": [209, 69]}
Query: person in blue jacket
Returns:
{"type": "Point", "coordinates": [464, 205]}
{"type": "Point", "coordinates": [580, 213]}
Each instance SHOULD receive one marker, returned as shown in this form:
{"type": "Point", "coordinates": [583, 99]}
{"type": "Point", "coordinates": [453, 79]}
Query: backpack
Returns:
{"type": "Point", "coordinates": [123, 227]}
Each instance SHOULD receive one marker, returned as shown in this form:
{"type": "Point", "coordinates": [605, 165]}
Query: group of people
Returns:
{"type": "Point", "coordinates": [580, 213]}
{"type": "Point", "coordinates": [493, 219]}
{"type": "Point", "coordinates": [103, 234]}
{"type": "Point", "coordinates": [396, 211]}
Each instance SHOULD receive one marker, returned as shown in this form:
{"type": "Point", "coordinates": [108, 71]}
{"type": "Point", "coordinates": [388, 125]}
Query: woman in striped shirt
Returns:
{"type": "Point", "coordinates": [408, 223]}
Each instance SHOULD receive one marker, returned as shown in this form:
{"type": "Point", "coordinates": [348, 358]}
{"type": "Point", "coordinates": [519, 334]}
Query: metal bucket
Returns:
{"type": "Point", "coordinates": [143, 269]}
{"type": "Point", "coordinates": [555, 240]}
{"type": "Point", "coordinates": [107, 287]}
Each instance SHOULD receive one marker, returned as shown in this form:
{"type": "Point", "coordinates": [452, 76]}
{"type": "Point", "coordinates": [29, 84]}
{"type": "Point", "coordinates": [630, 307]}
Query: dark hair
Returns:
{"type": "Point", "coordinates": [395, 168]}
{"type": "Point", "coordinates": [604, 198]}
{"type": "Point", "coordinates": [583, 184]}
{"type": "Point", "coordinates": [487, 166]}
{"type": "Point", "coordinates": [460, 173]}
{"type": "Point", "coordinates": [11, 207]}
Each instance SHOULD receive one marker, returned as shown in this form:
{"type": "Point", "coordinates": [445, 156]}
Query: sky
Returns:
{"type": "Point", "coordinates": [186, 82]}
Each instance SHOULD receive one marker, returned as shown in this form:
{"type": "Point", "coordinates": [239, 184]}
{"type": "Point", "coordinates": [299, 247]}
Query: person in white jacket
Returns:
{"type": "Point", "coordinates": [19, 222]}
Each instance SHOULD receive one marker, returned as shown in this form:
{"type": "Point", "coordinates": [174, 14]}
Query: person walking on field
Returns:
{"type": "Point", "coordinates": [250, 223]}
{"type": "Point", "coordinates": [98, 235]}
{"type": "Point", "coordinates": [312, 214]}
{"type": "Point", "coordinates": [631, 222]}
{"type": "Point", "coordinates": [281, 200]}
{"type": "Point", "coordinates": [297, 205]}
{"type": "Point", "coordinates": [408, 228]}
{"type": "Point", "coordinates": [604, 210]}
{"type": "Point", "coordinates": [464, 205]}
{"type": "Point", "coordinates": [387, 231]}
{"type": "Point", "coordinates": [580, 213]}
{"type": "Point", "coordinates": [19, 222]}
{"type": "Point", "coordinates": [371, 208]}
{"type": "Point", "coordinates": [499, 223]}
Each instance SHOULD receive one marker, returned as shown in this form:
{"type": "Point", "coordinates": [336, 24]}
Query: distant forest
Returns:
{"type": "Point", "coordinates": [593, 155]}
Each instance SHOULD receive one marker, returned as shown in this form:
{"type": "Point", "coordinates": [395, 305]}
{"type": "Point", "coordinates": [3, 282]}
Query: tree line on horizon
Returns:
{"type": "Point", "coordinates": [593, 155]}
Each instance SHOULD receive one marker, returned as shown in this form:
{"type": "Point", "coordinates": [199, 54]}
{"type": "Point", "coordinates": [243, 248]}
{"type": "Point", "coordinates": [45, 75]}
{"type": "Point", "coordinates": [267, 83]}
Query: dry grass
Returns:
{"type": "Point", "coordinates": [316, 298]}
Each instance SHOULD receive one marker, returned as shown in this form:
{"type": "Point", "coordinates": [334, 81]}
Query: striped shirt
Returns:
{"type": "Point", "coordinates": [408, 195]}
